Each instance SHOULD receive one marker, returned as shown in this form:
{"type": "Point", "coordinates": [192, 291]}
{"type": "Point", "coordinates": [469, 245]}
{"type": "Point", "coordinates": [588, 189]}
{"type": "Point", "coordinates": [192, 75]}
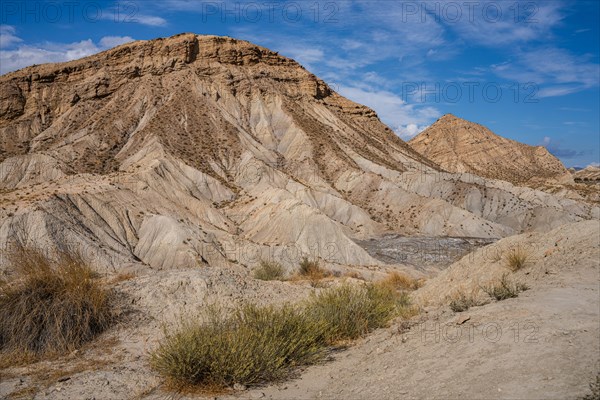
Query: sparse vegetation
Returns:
{"type": "Point", "coordinates": [311, 270]}
{"type": "Point", "coordinates": [400, 281]}
{"type": "Point", "coordinates": [517, 258]}
{"type": "Point", "coordinates": [50, 304]}
{"type": "Point", "coordinates": [351, 311]}
{"type": "Point", "coordinates": [269, 271]}
{"type": "Point", "coordinates": [256, 344]}
{"type": "Point", "coordinates": [461, 301]}
{"type": "Point", "coordinates": [504, 289]}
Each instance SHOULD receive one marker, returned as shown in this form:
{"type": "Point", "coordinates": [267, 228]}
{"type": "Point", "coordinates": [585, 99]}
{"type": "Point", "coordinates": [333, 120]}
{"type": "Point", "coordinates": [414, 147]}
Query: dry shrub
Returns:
{"type": "Point", "coordinates": [311, 270]}
{"type": "Point", "coordinates": [354, 310]}
{"type": "Point", "coordinates": [50, 304]}
{"type": "Point", "coordinates": [461, 301]}
{"type": "Point", "coordinates": [517, 258]}
{"type": "Point", "coordinates": [504, 289]}
{"type": "Point", "coordinates": [269, 271]}
{"type": "Point", "coordinates": [401, 281]}
{"type": "Point", "coordinates": [255, 345]}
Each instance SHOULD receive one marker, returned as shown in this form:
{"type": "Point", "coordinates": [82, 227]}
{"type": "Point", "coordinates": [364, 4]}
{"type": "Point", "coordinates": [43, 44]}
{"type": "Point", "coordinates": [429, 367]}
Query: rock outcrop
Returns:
{"type": "Point", "coordinates": [460, 146]}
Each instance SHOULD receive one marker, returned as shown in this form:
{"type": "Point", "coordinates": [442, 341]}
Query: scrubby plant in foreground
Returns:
{"type": "Point", "coordinates": [50, 304]}
{"type": "Point", "coordinates": [352, 311]}
{"type": "Point", "coordinates": [269, 271]}
{"type": "Point", "coordinates": [255, 345]}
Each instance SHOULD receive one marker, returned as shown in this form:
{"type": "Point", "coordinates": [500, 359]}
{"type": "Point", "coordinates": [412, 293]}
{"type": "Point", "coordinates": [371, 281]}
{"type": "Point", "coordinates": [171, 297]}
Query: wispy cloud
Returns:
{"type": "Point", "coordinates": [8, 37]}
{"type": "Point", "coordinates": [149, 20]}
{"type": "Point", "coordinates": [22, 55]}
{"type": "Point", "coordinates": [407, 120]}
{"type": "Point", "coordinates": [556, 71]}
{"type": "Point", "coordinates": [497, 24]}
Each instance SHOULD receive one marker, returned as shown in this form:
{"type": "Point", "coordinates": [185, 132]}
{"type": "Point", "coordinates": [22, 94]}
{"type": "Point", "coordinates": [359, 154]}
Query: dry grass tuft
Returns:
{"type": "Point", "coordinates": [462, 301]}
{"type": "Point", "coordinates": [401, 281]}
{"type": "Point", "coordinates": [50, 304]}
{"type": "Point", "coordinates": [504, 289]}
{"type": "Point", "coordinates": [517, 258]}
{"type": "Point", "coordinates": [312, 271]}
{"type": "Point", "coordinates": [269, 271]}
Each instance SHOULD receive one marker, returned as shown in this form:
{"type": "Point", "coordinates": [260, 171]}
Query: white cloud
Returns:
{"type": "Point", "coordinates": [410, 131]}
{"type": "Point", "coordinates": [50, 52]}
{"type": "Point", "coordinates": [8, 37]}
{"type": "Point", "coordinates": [304, 55]}
{"type": "Point", "coordinates": [108, 42]}
{"type": "Point", "coordinates": [406, 119]}
{"type": "Point", "coordinates": [149, 20]}
{"type": "Point", "coordinates": [555, 71]}
{"type": "Point", "coordinates": [494, 23]}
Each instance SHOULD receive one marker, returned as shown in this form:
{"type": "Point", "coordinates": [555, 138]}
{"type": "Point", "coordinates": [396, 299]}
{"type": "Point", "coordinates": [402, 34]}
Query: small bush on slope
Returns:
{"type": "Point", "coordinates": [462, 301]}
{"type": "Point", "coordinates": [504, 289]}
{"type": "Point", "coordinates": [312, 271]}
{"type": "Point", "coordinates": [269, 271]}
{"type": "Point", "coordinates": [352, 311]}
{"type": "Point", "coordinates": [517, 258]}
{"type": "Point", "coordinates": [401, 282]}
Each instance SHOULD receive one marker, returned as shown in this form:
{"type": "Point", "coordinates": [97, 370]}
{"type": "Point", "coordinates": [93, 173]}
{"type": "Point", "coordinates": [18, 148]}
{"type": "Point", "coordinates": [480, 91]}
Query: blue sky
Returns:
{"type": "Point", "coordinates": [529, 70]}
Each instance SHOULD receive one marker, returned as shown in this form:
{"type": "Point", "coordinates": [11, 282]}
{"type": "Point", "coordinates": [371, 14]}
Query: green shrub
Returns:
{"type": "Point", "coordinates": [50, 303]}
{"type": "Point", "coordinates": [254, 345]}
{"type": "Point", "coordinates": [504, 289]}
{"type": "Point", "coordinates": [269, 271]}
{"type": "Point", "coordinates": [352, 311]}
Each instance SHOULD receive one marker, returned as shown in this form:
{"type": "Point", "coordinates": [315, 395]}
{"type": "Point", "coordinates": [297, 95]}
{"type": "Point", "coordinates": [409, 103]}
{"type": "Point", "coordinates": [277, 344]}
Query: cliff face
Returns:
{"type": "Point", "coordinates": [458, 145]}
{"type": "Point", "coordinates": [210, 150]}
